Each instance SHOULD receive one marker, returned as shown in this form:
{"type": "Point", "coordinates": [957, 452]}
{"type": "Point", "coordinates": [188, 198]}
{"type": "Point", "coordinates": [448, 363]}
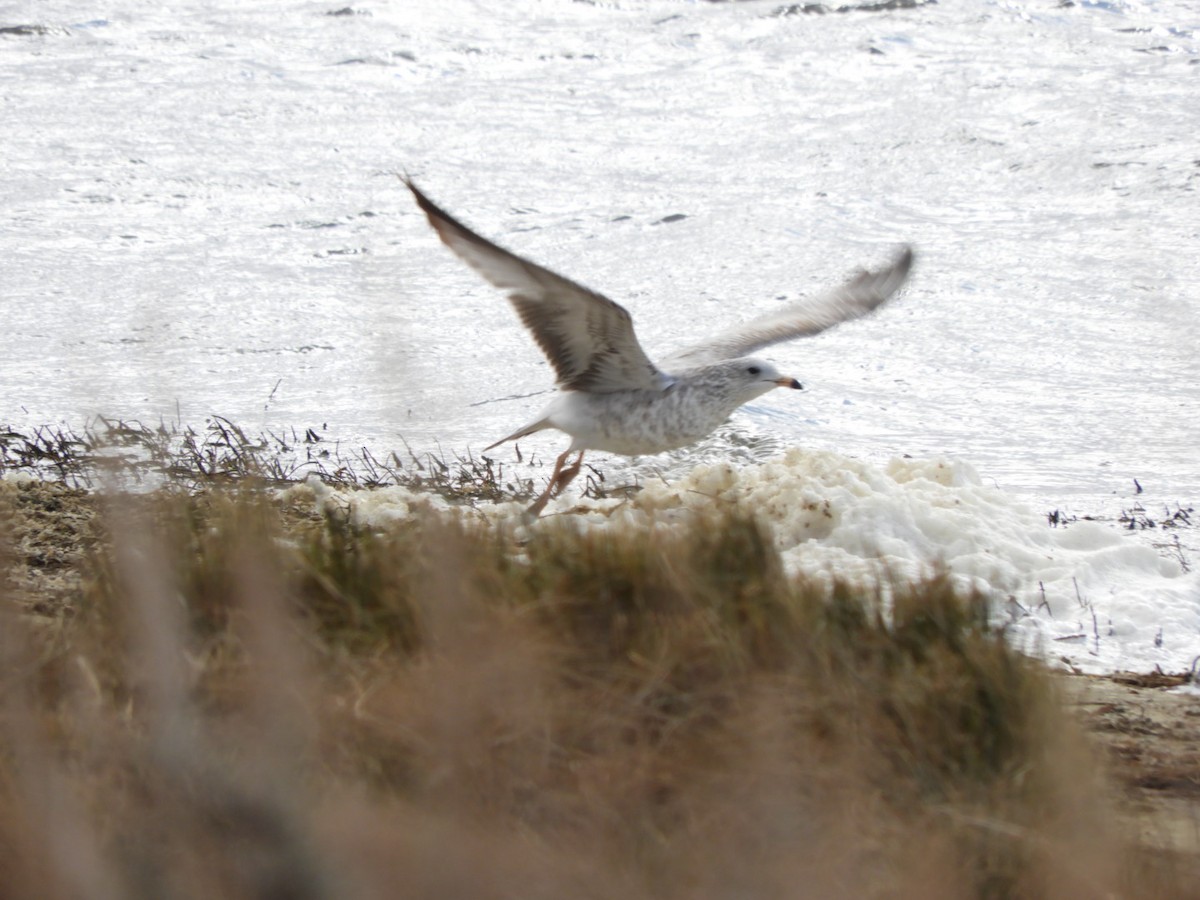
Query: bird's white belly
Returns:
{"type": "Point", "coordinates": [635, 423]}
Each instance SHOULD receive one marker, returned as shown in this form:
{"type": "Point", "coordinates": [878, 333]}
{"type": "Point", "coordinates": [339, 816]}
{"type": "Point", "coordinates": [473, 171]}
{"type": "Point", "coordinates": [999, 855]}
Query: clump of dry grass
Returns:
{"type": "Point", "coordinates": [235, 708]}
{"type": "Point", "coordinates": [221, 453]}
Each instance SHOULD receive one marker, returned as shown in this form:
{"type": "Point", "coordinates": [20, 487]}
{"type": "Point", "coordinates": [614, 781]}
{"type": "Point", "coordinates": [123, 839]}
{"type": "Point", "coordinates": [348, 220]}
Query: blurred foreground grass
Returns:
{"type": "Point", "coordinates": [240, 697]}
{"type": "Point", "coordinates": [212, 690]}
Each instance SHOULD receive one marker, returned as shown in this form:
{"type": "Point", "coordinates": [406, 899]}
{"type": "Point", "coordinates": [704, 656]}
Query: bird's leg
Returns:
{"type": "Point", "coordinates": [559, 479]}
{"type": "Point", "coordinates": [566, 476]}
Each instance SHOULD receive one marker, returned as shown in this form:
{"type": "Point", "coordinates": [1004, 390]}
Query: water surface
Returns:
{"type": "Point", "coordinates": [202, 216]}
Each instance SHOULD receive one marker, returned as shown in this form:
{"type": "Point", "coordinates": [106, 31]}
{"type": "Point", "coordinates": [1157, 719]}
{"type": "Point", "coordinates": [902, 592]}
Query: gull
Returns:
{"type": "Point", "coordinates": [611, 397]}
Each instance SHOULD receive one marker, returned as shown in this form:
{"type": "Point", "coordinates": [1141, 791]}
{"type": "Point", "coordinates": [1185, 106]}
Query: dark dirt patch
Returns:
{"type": "Point", "coordinates": [1151, 737]}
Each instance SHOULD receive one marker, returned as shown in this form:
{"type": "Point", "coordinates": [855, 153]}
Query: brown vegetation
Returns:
{"type": "Point", "coordinates": [224, 695]}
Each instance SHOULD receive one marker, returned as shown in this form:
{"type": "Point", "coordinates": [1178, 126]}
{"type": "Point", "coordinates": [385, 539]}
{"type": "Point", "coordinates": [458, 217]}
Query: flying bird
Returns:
{"type": "Point", "coordinates": [611, 396]}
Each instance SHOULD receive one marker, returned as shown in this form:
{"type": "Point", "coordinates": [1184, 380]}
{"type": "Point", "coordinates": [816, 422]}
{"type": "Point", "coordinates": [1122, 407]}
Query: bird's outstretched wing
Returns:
{"type": "Point", "coordinates": [588, 338]}
{"type": "Point", "coordinates": [857, 297]}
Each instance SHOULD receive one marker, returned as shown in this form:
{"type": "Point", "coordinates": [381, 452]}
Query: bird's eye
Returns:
{"type": "Point", "coordinates": [754, 370]}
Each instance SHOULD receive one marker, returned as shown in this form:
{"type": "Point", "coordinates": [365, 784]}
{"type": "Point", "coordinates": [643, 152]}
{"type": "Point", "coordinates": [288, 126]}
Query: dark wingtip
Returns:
{"type": "Point", "coordinates": [422, 201]}
{"type": "Point", "coordinates": [796, 385]}
{"type": "Point", "coordinates": [443, 223]}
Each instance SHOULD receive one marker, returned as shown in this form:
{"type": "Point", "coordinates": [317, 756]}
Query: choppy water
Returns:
{"type": "Point", "coordinates": [200, 215]}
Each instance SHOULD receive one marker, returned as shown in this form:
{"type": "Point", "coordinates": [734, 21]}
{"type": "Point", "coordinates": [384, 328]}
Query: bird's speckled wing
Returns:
{"type": "Point", "coordinates": [588, 338]}
{"type": "Point", "coordinates": [857, 297]}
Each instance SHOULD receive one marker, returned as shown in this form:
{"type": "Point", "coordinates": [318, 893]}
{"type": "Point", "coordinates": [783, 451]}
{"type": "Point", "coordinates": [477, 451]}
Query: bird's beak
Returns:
{"type": "Point", "coordinates": [790, 383]}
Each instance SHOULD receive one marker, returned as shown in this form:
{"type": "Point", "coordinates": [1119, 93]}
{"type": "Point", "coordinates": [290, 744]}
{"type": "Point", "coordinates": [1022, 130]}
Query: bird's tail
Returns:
{"type": "Point", "coordinates": [521, 432]}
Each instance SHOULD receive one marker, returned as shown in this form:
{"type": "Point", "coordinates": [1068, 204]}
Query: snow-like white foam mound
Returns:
{"type": "Point", "coordinates": [366, 507]}
{"type": "Point", "coordinates": [1086, 594]}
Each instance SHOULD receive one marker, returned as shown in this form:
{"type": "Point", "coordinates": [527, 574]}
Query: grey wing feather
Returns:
{"type": "Point", "coordinates": [857, 297]}
{"type": "Point", "coordinates": [588, 338]}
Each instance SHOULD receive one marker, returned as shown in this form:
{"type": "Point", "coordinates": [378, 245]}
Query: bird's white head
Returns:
{"type": "Point", "coordinates": [750, 378]}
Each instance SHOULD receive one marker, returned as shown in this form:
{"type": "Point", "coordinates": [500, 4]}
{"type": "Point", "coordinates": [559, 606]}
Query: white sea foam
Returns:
{"type": "Point", "coordinates": [1085, 593]}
